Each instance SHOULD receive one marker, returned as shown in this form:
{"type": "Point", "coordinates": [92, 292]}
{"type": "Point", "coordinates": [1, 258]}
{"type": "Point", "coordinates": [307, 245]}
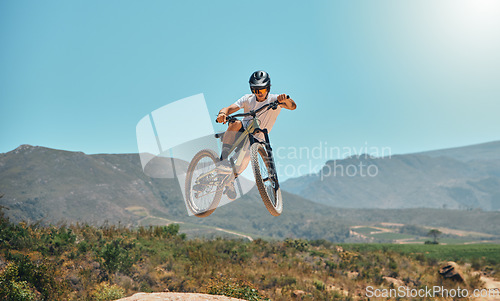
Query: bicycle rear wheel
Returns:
{"type": "Point", "coordinates": [266, 179]}
{"type": "Point", "coordinates": [203, 188]}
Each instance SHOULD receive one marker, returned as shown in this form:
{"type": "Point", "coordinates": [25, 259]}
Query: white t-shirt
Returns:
{"type": "Point", "coordinates": [266, 118]}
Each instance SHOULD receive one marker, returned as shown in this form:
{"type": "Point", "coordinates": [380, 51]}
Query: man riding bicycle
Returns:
{"type": "Point", "coordinates": [260, 85]}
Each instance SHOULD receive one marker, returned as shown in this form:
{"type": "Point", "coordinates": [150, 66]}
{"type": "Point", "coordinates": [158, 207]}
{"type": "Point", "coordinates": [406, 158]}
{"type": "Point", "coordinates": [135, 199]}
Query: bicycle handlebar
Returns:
{"type": "Point", "coordinates": [273, 105]}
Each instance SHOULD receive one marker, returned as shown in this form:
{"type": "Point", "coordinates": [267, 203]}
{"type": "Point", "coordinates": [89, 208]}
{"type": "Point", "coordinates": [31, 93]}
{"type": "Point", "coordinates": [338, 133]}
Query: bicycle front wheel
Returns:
{"type": "Point", "coordinates": [266, 180]}
{"type": "Point", "coordinates": [203, 188]}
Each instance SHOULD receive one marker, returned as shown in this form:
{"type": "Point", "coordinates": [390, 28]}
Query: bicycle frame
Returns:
{"type": "Point", "coordinates": [252, 129]}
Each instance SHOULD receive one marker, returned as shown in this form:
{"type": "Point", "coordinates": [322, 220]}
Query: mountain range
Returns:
{"type": "Point", "coordinates": [458, 178]}
{"type": "Point", "coordinates": [43, 185]}
{"type": "Point", "coordinates": [52, 186]}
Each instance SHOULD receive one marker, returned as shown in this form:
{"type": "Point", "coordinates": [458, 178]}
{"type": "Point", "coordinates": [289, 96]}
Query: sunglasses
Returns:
{"type": "Point", "coordinates": [257, 91]}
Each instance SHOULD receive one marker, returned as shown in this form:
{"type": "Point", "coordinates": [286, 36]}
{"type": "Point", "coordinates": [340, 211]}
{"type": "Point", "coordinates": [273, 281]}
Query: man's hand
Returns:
{"type": "Point", "coordinates": [221, 118]}
{"type": "Point", "coordinates": [281, 98]}
{"type": "Point", "coordinates": [224, 112]}
{"type": "Point", "coordinates": [286, 102]}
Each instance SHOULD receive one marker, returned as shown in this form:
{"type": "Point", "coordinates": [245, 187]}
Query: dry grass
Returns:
{"type": "Point", "coordinates": [81, 262]}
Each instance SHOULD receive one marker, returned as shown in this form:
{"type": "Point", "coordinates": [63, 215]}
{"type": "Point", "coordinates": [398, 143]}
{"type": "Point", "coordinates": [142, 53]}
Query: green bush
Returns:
{"type": "Point", "coordinates": [234, 288]}
{"type": "Point", "coordinates": [55, 240]}
{"type": "Point", "coordinates": [40, 275]}
{"type": "Point", "coordinates": [319, 285]}
{"type": "Point", "coordinates": [12, 288]}
{"type": "Point", "coordinates": [298, 244]}
{"type": "Point", "coordinates": [105, 292]}
{"type": "Point", "coordinates": [117, 256]}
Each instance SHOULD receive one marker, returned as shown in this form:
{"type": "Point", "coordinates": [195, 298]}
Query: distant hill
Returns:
{"type": "Point", "coordinates": [50, 186]}
{"type": "Point", "coordinates": [457, 178]}
{"type": "Point", "coordinates": [43, 183]}
{"type": "Point", "coordinates": [477, 152]}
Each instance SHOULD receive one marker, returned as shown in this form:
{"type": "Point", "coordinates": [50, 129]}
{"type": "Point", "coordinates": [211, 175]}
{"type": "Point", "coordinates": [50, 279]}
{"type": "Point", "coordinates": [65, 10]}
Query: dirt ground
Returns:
{"type": "Point", "coordinates": [493, 286]}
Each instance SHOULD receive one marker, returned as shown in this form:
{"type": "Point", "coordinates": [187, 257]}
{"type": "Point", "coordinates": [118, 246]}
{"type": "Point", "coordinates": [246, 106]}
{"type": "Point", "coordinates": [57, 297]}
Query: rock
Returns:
{"type": "Point", "coordinates": [452, 271]}
{"type": "Point", "coordinates": [394, 281]}
{"type": "Point", "coordinates": [298, 293]}
{"type": "Point", "coordinates": [176, 297]}
{"type": "Point", "coordinates": [352, 275]}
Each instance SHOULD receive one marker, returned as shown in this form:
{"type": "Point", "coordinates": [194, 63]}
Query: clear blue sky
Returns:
{"type": "Point", "coordinates": [409, 75]}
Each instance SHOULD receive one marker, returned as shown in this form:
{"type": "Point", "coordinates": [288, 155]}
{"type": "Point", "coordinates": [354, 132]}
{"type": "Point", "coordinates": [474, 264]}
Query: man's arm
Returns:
{"type": "Point", "coordinates": [286, 103]}
{"type": "Point", "coordinates": [224, 112]}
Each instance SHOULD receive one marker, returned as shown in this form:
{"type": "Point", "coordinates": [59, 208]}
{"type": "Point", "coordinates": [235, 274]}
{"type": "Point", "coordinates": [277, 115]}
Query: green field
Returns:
{"type": "Point", "coordinates": [365, 230]}
{"type": "Point", "coordinates": [414, 234]}
{"type": "Point", "coordinates": [489, 253]}
{"type": "Point", "coordinates": [391, 236]}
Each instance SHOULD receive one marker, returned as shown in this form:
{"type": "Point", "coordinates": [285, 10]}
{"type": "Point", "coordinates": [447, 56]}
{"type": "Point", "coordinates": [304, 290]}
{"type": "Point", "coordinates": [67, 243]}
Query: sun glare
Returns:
{"type": "Point", "coordinates": [477, 15]}
{"type": "Point", "coordinates": [466, 30]}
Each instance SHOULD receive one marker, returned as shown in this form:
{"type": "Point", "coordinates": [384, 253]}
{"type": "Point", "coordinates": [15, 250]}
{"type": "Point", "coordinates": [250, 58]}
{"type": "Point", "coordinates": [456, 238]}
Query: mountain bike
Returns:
{"type": "Point", "coordinates": [205, 184]}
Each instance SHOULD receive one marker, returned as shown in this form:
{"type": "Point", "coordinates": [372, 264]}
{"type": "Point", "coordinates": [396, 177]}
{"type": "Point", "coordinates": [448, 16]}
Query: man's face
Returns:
{"type": "Point", "coordinates": [260, 94]}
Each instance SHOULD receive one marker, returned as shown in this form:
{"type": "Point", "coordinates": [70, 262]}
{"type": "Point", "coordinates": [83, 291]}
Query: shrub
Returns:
{"type": "Point", "coordinates": [233, 288]}
{"type": "Point", "coordinates": [287, 281]}
{"type": "Point", "coordinates": [54, 240]}
{"type": "Point", "coordinates": [41, 275]}
{"type": "Point", "coordinates": [12, 288]}
{"type": "Point", "coordinates": [298, 244]}
{"type": "Point", "coordinates": [105, 292]}
{"type": "Point", "coordinates": [117, 256]}
{"type": "Point", "coordinates": [319, 285]}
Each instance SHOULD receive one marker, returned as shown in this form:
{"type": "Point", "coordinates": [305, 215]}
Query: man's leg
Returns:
{"type": "Point", "coordinates": [229, 138]}
{"type": "Point", "coordinates": [244, 163]}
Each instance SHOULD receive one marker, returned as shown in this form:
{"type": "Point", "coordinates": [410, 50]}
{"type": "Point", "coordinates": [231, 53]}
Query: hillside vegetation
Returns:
{"type": "Point", "coordinates": [82, 262]}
